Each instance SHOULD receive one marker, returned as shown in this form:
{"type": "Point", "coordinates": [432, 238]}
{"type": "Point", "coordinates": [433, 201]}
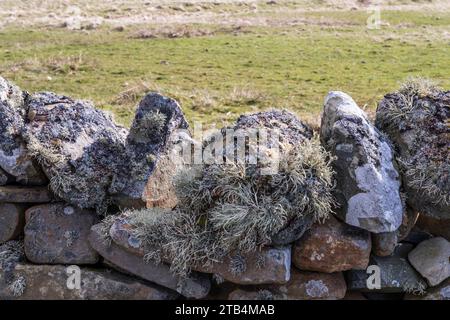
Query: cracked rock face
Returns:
{"type": "Point", "coordinates": [367, 182]}
{"type": "Point", "coordinates": [14, 160]}
{"type": "Point", "coordinates": [418, 126]}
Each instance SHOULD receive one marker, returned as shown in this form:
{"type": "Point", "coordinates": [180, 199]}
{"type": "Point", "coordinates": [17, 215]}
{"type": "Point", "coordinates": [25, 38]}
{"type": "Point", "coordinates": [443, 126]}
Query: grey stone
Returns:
{"type": "Point", "coordinates": [293, 231]}
{"type": "Point", "coordinates": [13, 154]}
{"type": "Point", "coordinates": [367, 181]}
{"type": "Point", "coordinates": [49, 282]}
{"type": "Point", "coordinates": [265, 266]}
{"type": "Point", "coordinates": [431, 259]}
{"type": "Point", "coordinates": [12, 220]}
{"type": "Point", "coordinates": [396, 274]}
{"type": "Point", "coordinates": [417, 124]}
{"type": "Point", "coordinates": [58, 234]}
{"type": "Point", "coordinates": [195, 286]}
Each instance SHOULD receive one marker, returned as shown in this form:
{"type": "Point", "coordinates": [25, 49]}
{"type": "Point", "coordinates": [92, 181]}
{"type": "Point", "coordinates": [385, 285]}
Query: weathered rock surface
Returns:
{"type": "Point", "coordinates": [19, 194]}
{"type": "Point", "coordinates": [12, 220]}
{"type": "Point", "coordinates": [417, 124]}
{"type": "Point", "coordinates": [13, 154]}
{"type": "Point", "coordinates": [92, 161]}
{"type": "Point", "coordinates": [196, 286]}
{"type": "Point", "coordinates": [49, 282]}
{"type": "Point", "coordinates": [267, 266]}
{"type": "Point", "coordinates": [158, 127]}
{"type": "Point", "coordinates": [396, 274]}
{"type": "Point", "coordinates": [441, 292]}
{"type": "Point", "coordinates": [331, 247]}
{"type": "Point", "coordinates": [77, 146]}
{"type": "Point", "coordinates": [302, 286]}
{"type": "Point", "coordinates": [384, 243]}
{"type": "Point", "coordinates": [294, 231]}
{"type": "Point", "coordinates": [435, 226]}
{"type": "Point", "coordinates": [58, 234]}
{"type": "Point", "coordinates": [367, 181]}
{"type": "Point", "coordinates": [431, 258]}
{"type": "Point", "coordinates": [4, 178]}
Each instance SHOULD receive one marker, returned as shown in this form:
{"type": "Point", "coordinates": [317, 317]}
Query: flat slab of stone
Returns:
{"type": "Point", "coordinates": [196, 286]}
{"type": "Point", "coordinates": [302, 286]}
{"type": "Point", "coordinates": [331, 247]}
{"type": "Point", "coordinates": [19, 194]}
{"type": "Point", "coordinates": [49, 282]}
{"type": "Point", "coordinates": [267, 266]}
{"type": "Point", "coordinates": [58, 234]}
{"type": "Point", "coordinates": [12, 220]}
{"type": "Point", "coordinates": [432, 259]}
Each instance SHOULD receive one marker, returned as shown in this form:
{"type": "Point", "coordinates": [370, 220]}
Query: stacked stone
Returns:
{"type": "Point", "coordinates": [50, 231]}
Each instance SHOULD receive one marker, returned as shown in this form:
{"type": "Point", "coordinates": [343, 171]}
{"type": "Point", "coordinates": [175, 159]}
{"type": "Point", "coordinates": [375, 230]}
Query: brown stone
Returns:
{"type": "Point", "coordinates": [267, 266]}
{"type": "Point", "coordinates": [303, 285]}
{"type": "Point", "coordinates": [410, 217]}
{"type": "Point", "coordinates": [49, 282]}
{"type": "Point", "coordinates": [384, 243]}
{"type": "Point", "coordinates": [16, 194]}
{"type": "Point", "coordinates": [331, 247]}
{"type": "Point", "coordinates": [58, 234]}
{"type": "Point", "coordinates": [431, 258]}
{"type": "Point", "coordinates": [435, 226]}
{"type": "Point", "coordinates": [354, 295]}
{"type": "Point", "coordinates": [195, 286]}
{"type": "Point", "coordinates": [12, 220]}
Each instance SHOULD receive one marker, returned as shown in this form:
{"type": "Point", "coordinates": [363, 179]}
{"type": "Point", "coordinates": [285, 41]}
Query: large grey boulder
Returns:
{"type": "Point", "coordinates": [416, 122]}
{"type": "Point", "coordinates": [14, 159]}
{"type": "Point", "coordinates": [77, 145]}
{"type": "Point", "coordinates": [367, 182]}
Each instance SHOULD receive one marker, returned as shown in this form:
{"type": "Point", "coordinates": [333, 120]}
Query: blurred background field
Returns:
{"type": "Point", "coordinates": [223, 58]}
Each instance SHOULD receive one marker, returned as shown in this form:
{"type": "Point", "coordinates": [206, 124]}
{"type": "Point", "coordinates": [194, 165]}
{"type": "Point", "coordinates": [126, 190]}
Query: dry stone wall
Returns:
{"type": "Point", "coordinates": [69, 176]}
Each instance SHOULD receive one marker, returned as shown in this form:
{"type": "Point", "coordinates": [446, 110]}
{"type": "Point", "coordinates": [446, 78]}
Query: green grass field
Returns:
{"type": "Point", "coordinates": [218, 71]}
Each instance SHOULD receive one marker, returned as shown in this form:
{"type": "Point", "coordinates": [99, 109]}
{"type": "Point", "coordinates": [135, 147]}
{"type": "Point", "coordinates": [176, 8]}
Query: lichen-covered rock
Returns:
{"type": "Point", "coordinates": [441, 292]}
{"type": "Point", "coordinates": [195, 286]}
{"type": "Point", "coordinates": [431, 258]}
{"type": "Point", "coordinates": [384, 243]}
{"type": "Point", "coordinates": [77, 146]}
{"type": "Point", "coordinates": [58, 234]}
{"type": "Point", "coordinates": [416, 120]}
{"type": "Point", "coordinates": [396, 274]}
{"type": "Point", "coordinates": [12, 220]}
{"type": "Point", "coordinates": [91, 161]}
{"type": "Point", "coordinates": [331, 247]}
{"type": "Point", "coordinates": [14, 158]}
{"type": "Point", "coordinates": [302, 286]}
{"type": "Point", "coordinates": [367, 182]}
{"type": "Point", "coordinates": [151, 155]}
{"type": "Point", "coordinates": [49, 282]}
